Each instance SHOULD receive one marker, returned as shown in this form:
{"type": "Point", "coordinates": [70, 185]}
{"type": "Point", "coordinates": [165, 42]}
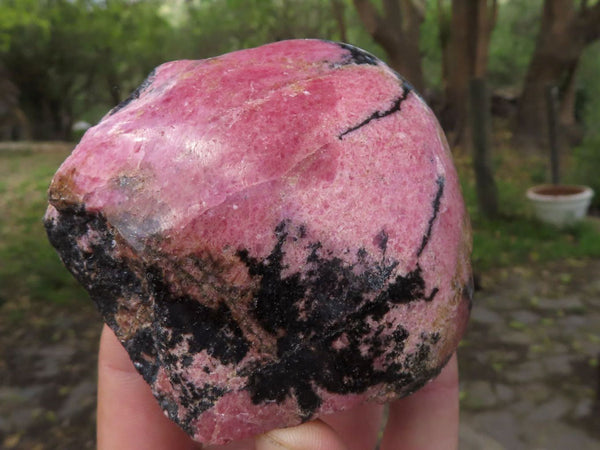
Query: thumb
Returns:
{"type": "Point", "coordinates": [315, 435]}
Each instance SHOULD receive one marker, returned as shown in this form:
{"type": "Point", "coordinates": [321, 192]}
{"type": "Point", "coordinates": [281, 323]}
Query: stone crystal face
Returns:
{"type": "Point", "coordinates": [274, 234]}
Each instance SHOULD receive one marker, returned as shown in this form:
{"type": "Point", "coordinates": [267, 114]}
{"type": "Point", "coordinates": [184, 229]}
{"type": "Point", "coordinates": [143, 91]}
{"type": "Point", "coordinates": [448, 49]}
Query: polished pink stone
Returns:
{"type": "Point", "coordinates": [274, 234]}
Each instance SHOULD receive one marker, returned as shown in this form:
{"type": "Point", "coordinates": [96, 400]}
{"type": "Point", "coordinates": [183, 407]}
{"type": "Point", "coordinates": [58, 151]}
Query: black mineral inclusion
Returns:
{"type": "Point", "coordinates": [336, 302]}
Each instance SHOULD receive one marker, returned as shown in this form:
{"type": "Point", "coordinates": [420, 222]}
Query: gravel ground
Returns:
{"type": "Point", "coordinates": [530, 360]}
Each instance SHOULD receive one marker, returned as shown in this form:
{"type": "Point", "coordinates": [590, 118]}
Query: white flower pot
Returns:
{"type": "Point", "coordinates": [560, 205]}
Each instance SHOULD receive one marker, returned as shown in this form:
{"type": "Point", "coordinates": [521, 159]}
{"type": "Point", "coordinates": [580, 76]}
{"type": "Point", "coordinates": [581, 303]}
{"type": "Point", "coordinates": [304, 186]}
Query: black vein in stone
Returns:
{"type": "Point", "coordinates": [436, 207]}
{"type": "Point", "coordinates": [358, 55]}
{"type": "Point", "coordinates": [135, 94]}
{"type": "Point", "coordinates": [379, 114]}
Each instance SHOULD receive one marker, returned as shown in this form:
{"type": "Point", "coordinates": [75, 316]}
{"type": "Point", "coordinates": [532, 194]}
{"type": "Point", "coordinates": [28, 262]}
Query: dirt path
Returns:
{"type": "Point", "coordinates": [529, 366]}
{"type": "Point", "coordinates": [47, 377]}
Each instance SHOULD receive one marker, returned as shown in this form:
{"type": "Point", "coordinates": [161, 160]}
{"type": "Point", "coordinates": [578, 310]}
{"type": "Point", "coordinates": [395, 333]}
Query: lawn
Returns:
{"type": "Point", "coordinates": [515, 237]}
{"type": "Point", "coordinates": [30, 270]}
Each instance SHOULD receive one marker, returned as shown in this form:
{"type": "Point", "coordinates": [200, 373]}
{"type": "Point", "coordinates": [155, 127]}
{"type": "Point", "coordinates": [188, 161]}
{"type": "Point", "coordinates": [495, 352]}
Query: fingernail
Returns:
{"type": "Point", "coordinates": [314, 435]}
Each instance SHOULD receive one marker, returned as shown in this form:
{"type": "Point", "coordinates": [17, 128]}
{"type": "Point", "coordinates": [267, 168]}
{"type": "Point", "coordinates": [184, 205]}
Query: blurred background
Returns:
{"type": "Point", "coordinates": [515, 85]}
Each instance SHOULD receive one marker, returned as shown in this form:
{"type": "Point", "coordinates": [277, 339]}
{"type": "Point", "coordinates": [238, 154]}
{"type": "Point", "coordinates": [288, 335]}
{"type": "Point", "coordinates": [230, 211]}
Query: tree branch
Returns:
{"type": "Point", "coordinates": [393, 12]}
{"type": "Point", "coordinates": [444, 19]}
{"type": "Point", "coordinates": [368, 15]}
{"type": "Point", "coordinates": [412, 14]}
{"type": "Point", "coordinates": [337, 7]}
{"type": "Point", "coordinates": [381, 29]}
{"type": "Point", "coordinates": [420, 8]}
{"type": "Point", "coordinates": [493, 14]}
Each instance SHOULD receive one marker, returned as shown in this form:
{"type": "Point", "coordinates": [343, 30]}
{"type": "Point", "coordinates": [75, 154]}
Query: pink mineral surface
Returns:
{"type": "Point", "coordinates": [273, 234]}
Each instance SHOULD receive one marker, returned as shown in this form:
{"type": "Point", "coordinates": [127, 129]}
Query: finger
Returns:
{"type": "Point", "coordinates": [428, 419]}
{"type": "Point", "coordinates": [244, 444]}
{"type": "Point", "coordinates": [128, 415]}
{"type": "Point", "coordinates": [315, 435]}
{"type": "Point", "coordinates": [358, 427]}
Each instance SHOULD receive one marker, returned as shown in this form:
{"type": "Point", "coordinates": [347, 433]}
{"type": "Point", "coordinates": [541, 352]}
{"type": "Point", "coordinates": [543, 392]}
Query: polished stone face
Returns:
{"type": "Point", "coordinates": [273, 234]}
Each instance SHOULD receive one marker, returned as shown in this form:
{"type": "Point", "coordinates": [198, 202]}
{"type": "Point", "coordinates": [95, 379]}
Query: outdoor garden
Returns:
{"type": "Point", "coordinates": [530, 360]}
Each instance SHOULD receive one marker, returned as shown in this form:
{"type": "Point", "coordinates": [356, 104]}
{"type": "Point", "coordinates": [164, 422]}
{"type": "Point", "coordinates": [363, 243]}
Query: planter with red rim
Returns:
{"type": "Point", "coordinates": [560, 205]}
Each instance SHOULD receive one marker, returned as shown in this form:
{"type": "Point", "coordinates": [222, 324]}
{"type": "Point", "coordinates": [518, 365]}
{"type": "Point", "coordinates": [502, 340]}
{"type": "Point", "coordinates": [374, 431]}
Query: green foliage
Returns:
{"type": "Point", "coordinates": [521, 240]}
{"type": "Point", "coordinates": [434, 30]}
{"type": "Point", "coordinates": [65, 55]}
{"type": "Point", "coordinates": [75, 59]}
{"type": "Point", "coordinates": [513, 41]}
{"type": "Point", "coordinates": [219, 26]}
{"type": "Point", "coordinates": [17, 15]}
{"type": "Point", "coordinates": [511, 46]}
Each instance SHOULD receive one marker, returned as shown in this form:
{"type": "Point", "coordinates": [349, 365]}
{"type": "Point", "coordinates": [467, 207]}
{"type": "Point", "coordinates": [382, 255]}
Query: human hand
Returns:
{"type": "Point", "coordinates": [129, 417]}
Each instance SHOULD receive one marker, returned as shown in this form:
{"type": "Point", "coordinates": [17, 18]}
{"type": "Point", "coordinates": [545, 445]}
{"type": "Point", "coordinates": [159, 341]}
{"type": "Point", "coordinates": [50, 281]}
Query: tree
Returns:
{"type": "Point", "coordinates": [338, 9]}
{"type": "Point", "coordinates": [67, 55]}
{"type": "Point", "coordinates": [13, 123]}
{"type": "Point", "coordinates": [479, 111]}
{"type": "Point", "coordinates": [465, 40]}
{"type": "Point", "coordinates": [464, 30]}
{"type": "Point", "coordinates": [396, 29]}
{"type": "Point", "coordinates": [566, 30]}
{"type": "Point", "coordinates": [129, 40]}
{"type": "Point", "coordinates": [224, 25]}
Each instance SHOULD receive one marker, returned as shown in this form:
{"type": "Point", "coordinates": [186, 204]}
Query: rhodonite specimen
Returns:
{"type": "Point", "coordinates": [274, 234]}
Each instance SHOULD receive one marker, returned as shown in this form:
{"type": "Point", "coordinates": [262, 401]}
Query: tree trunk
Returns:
{"type": "Point", "coordinates": [13, 122]}
{"type": "Point", "coordinates": [403, 58]}
{"type": "Point", "coordinates": [566, 115]}
{"type": "Point", "coordinates": [337, 7]}
{"type": "Point", "coordinates": [58, 120]}
{"type": "Point", "coordinates": [564, 33]}
{"type": "Point", "coordinates": [397, 31]}
{"type": "Point", "coordinates": [467, 50]}
{"type": "Point", "coordinates": [479, 108]}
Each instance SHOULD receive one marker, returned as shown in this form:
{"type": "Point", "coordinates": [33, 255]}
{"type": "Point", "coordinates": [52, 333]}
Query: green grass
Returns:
{"type": "Point", "coordinates": [30, 270]}
{"type": "Point", "coordinates": [516, 237]}
{"type": "Point", "coordinates": [520, 240]}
